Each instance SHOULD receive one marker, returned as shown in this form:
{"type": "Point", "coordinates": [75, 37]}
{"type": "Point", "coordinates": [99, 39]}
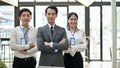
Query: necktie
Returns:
{"type": "Point", "coordinates": [52, 31]}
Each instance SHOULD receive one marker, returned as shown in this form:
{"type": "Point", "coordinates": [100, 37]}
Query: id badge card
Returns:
{"type": "Point", "coordinates": [22, 41]}
{"type": "Point", "coordinates": [72, 41]}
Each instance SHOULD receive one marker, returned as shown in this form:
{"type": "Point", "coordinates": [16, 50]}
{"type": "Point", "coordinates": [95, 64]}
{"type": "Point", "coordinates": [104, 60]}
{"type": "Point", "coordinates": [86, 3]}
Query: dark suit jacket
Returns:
{"type": "Point", "coordinates": [48, 55]}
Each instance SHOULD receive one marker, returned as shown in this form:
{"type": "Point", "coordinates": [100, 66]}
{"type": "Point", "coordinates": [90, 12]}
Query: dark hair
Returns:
{"type": "Point", "coordinates": [69, 15]}
{"type": "Point", "coordinates": [52, 7]}
{"type": "Point", "coordinates": [24, 10]}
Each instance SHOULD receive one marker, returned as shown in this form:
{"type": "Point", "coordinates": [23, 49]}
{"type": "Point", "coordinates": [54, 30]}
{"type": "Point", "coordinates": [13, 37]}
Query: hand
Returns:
{"type": "Point", "coordinates": [23, 51]}
{"type": "Point", "coordinates": [81, 42]}
{"type": "Point", "coordinates": [62, 41]}
{"type": "Point", "coordinates": [46, 43]}
{"type": "Point", "coordinates": [69, 46]}
{"type": "Point", "coordinates": [31, 45]}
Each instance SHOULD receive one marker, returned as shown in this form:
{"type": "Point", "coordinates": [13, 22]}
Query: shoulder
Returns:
{"type": "Point", "coordinates": [32, 28]}
{"type": "Point", "coordinates": [59, 27]}
{"type": "Point", "coordinates": [16, 28]}
{"type": "Point", "coordinates": [41, 28]}
{"type": "Point", "coordinates": [66, 29]}
{"type": "Point", "coordinates": [81, 30]}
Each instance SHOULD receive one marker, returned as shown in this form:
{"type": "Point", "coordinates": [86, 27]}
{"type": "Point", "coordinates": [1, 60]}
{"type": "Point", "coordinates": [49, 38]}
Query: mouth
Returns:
{"type": "Point", "coordinates": [26, 20]}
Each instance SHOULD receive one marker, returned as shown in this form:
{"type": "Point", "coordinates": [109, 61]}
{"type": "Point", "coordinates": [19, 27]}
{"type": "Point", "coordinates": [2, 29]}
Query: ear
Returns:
{"type": "Point", "coordinates": [56, 15]}
{"type": "Point", "coordinates": [68, 22]}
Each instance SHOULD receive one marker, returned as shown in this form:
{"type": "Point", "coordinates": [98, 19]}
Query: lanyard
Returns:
{"type": "Point", "coordinates": [24, 31]}
{"type": "Point", "coordinates": [72, 39]}
{"type": "Point", "coordinates": [25, 34]}
{"type": "Point", "coordinates": [72, 34]}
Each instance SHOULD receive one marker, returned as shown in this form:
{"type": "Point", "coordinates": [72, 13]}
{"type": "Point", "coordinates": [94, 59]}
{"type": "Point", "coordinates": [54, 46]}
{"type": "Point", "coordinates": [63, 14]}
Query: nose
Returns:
{"type": "Point", "coordinates": [51, 15]}
{"type": "Point", "coordinates": [73, 21]}
{"type": "Point", "coordinates": [26, 17]}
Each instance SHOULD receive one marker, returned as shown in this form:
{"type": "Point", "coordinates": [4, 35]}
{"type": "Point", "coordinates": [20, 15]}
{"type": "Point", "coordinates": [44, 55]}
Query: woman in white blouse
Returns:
{"type": "Point", "coordinates": [77, 43]}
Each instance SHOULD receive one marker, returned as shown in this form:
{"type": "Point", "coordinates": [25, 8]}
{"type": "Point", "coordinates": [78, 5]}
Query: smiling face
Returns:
{"type": "Point", "coordinates": [73, 21]}
{"type": "Point", "coordinates": [25, 18]}
{"type": "Point", "coordinates": [51, 15]}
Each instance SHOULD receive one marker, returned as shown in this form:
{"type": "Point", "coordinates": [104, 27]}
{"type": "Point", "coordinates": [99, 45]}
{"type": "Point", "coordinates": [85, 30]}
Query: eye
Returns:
{"type": "Point", "coordinates": [23, 15]}
{"type": "Point", "coordinates": [48, 13]}
{"type": "Point", "coordinates": [28, 15]}
{"type": "Point", "coordinates": [71, 19]}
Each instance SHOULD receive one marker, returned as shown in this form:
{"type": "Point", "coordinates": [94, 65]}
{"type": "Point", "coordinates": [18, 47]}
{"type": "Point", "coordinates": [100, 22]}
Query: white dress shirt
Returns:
{"type": "Point", "coordinates": [16, 35]}
{"type": "Point", "coordinates": [51, 43]}
{"type": "Point", "coordinates": [80, 42]}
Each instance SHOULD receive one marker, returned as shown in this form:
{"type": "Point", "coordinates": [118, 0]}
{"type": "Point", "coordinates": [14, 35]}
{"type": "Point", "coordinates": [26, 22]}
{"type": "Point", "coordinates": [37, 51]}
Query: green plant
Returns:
{"type": "Point", "coordinates": [2, 65]}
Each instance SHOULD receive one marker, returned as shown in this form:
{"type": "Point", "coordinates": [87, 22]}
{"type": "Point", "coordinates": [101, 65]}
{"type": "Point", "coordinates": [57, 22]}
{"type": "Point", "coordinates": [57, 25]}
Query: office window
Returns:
{"type": "Point", "coordinates": [62, 16]}
{"type": "Point", "coordinates": [6, 20]}
{"type": "Point", "coordinates": [118, 32]}
{"type": "Point", "coordinates": [107, 32]}
{"type": "Point", "coordinates": [40, 16]}
{"type": "Point", "coordinates": [61, 19]}
{"type": "Point", "coordinates": [26, 0]}
{"type": "Point", "coordinates": [6, 24]}
{"type": "Point", "coordinates": [95, 33]}
{"type": "Point", "coordinates": [6, 16]}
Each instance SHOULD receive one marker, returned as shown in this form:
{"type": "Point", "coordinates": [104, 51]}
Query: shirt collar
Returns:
{"type": "Point", "coordinates": [24, 28]}
{"type": "Point", "coordinates": [50, 25]}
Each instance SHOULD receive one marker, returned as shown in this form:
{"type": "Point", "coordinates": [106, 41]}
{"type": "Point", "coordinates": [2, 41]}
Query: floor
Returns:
{"type": "Point", "coordinates": [98, 65]}
{"type": "Point", "coordinates": [86, 65]}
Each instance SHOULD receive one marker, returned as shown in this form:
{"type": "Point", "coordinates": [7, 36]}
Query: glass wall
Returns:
{"type": "Point", "coordinates": [6, 20]}
{"type": "Point", "coordinates": [107, 33]}
{"type": "Point", "coordinates": [60, 20]}
{"type": "Point", "coordinates": [40, 16]}
{"type": "Point", "coordinates": [118, 32]}
{"type": "Point", "coordinates": [6, 24]}
{"type": "Point", "coordinates": [95, 33]}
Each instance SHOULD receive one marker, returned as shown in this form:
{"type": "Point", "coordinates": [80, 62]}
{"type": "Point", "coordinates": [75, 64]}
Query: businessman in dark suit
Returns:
{"type": "Point", "coordinates": [51, 40]}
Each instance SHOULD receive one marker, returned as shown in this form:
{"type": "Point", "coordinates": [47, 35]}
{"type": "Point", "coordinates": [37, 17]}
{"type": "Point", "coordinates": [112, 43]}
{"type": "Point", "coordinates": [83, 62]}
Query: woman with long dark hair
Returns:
{"type": "Point", "coordinates": [77, 43]}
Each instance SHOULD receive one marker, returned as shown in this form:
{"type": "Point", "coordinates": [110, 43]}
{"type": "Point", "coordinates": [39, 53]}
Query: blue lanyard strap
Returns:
{"type": "Point", "coordinates": [72, 33]}
{"type": "Point", "coordinates": [72, 39]}
{"type": "Point", "coordinates": [24, 31]}
{"type": "Point", "coordinates": [25, 34]}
